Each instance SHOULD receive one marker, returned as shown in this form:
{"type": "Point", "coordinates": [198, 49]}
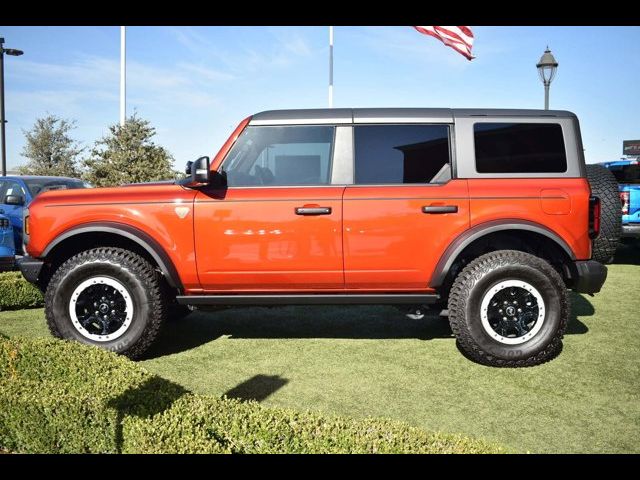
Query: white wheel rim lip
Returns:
{"type": "Point", "coordinates": [128, 309]}
{"type": "Point", "coordinates": [484, 307]}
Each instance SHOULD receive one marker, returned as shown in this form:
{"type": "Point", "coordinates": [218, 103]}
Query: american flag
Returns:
{"type": "Point", "coordinates": [458, 38]}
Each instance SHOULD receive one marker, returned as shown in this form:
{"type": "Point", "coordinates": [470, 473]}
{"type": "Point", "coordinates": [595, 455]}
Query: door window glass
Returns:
{"type": "Point", "coordinates": [280, 156]}
{"type": "Point", "coordinates": [399, 154]}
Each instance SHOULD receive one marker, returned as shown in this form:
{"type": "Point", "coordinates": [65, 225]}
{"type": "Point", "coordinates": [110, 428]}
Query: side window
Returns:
{"type": "Point", "coordinates": [399, 154]}
{"type": "Point", "coordinates": [519, 148]}
{"type": "Point", "coordinates": [280, 156]}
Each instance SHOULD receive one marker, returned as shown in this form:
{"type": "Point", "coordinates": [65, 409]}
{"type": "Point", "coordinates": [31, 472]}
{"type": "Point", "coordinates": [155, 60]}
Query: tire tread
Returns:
{"type": "Point", "coordinates": [461, 290]}
{"type": "Point", "coordinates": [137, 266]}
{"type": "Point", "coordinates": [605, 186]}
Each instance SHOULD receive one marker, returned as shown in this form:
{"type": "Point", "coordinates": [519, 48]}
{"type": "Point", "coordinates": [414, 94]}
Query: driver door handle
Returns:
{"type": "Point", "coordinates": [313, 211]}
{"type": "Point", "coordinates": [440, 209]}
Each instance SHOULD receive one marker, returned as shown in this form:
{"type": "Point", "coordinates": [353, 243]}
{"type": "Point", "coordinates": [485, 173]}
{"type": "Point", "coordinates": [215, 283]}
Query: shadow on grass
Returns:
{"type": "Point", "coordinates": [144, 401]}
{"type": "Point", "coordinates": [580, 307]}
{"type": "Point", "coordinates": [628, 252]}
{"type": "Point", "coordinates": [355, 322]}
{"type": "Point", "coordinates": [258, 387]}
{"type": "Point", "coordinates": [349, 322]}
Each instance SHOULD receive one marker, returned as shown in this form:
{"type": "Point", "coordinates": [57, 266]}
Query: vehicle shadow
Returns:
{"type": "Point", "coordinates": [628, 252]}
{"type": "Point", "coordinates": [345, 322]}
{"type": "Point", "coordinates": [580, 307]}
{"type": "Point", "coordinates": [356, 322]}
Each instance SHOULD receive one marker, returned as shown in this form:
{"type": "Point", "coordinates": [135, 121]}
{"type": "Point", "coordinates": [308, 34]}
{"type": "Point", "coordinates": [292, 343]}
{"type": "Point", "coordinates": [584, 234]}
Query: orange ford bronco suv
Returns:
{"type": "Point", "coordinates": [486, 213]}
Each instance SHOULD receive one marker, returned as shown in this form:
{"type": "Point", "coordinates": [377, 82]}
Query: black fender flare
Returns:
{"type": "Point", "coordinates": [148, 243]}
{"type": "Point", "coordinates": [468, 236]}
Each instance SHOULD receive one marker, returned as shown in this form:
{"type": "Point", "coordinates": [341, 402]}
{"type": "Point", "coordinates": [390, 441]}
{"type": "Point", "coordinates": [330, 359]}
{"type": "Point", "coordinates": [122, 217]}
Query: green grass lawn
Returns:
{"type": "Point", "coordinates": [372, 361]}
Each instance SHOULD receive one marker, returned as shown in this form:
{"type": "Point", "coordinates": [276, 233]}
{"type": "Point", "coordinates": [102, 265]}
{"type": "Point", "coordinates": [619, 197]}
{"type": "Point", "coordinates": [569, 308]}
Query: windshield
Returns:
{"type": "Point", "coordinates": [626, 173]}
{"type": "Point", "coordinates": [40, 185]}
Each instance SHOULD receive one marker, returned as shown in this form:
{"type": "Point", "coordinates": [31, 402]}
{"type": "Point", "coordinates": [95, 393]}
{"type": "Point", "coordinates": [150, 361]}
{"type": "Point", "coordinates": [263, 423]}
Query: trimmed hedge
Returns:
{"type": "Point", "coordinates": [17, 293]}
{"type": "Point", "coordinates": [58, 396]}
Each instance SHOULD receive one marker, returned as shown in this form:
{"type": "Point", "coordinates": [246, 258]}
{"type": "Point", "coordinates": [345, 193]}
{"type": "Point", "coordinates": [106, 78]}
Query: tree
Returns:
{"type": "Point", "coordinates": [128, 155]}
{"type": "Point", "coordinates": [50, 150]}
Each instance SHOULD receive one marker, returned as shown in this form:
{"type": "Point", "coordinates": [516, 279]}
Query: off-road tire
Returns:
{"type": "Point", "coordinates": [605, 186]}
{"type": "Point", "coordinates": [478, 278]}
{"type": "Point", "coordinates": [131, 270]}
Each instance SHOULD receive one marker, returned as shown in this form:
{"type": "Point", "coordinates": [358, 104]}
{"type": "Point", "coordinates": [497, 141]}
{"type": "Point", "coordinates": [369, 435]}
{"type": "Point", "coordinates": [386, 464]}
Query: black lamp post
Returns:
{"type": "Point", "coordinates": [547, 67]}
{"type": "Point", "coordinates": [3, 147]}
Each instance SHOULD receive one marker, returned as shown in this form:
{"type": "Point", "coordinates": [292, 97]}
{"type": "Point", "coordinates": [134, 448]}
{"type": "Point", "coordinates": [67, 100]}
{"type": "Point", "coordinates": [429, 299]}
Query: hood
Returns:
{"type": "Point", "coordinates": [142, 184]}
{"type": "Point", "coordinates": [153, 192]}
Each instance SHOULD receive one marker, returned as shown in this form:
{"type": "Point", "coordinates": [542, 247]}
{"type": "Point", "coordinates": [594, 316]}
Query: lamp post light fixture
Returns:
{"type": "Point", "coordinates": [547, 67]}
{"type": "Point", "coordinates": [3, 148]}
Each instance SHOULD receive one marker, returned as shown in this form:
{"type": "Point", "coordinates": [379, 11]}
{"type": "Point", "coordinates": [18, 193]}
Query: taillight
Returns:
{"type": "Point", "coordinates": [624, 199]}
{"type": "Point", "coordinates": [594, 217]}
{"type": "Point", "coordinates": [25, 226]}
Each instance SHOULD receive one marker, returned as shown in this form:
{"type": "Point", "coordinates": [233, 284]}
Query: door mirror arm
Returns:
{"type": "Point", "coordinates": [219, 179]}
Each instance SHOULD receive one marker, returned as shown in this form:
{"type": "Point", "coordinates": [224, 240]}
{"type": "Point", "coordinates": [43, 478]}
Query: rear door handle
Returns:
{"type": "Point", "coordinates": [440, 209]}
{"type": "Point", "coordinates": [313, 211]}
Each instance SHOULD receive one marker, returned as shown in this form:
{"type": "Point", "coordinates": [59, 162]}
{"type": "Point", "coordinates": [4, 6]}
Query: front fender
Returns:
{"type": "Point", "coordinates": [148, 243]}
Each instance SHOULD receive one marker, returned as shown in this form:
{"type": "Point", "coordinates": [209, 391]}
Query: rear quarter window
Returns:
{"type": "Point", "coordinates": [519, 148]}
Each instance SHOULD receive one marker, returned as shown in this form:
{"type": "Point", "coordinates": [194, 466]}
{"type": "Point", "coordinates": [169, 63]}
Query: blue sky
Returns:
{"type": "Point", "coordinates": [196, 83]}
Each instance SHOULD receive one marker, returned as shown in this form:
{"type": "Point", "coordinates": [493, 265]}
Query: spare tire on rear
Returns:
{"type": "Point", "coordinates": [605, 186]}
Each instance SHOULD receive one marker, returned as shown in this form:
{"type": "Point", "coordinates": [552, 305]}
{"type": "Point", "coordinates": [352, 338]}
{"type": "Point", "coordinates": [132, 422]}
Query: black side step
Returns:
{"type": "Point", "coordinates": [312, 299]}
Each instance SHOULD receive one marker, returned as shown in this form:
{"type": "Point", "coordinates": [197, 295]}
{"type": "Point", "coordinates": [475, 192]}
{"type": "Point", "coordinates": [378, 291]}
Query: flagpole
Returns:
{"type": "Point", "coordinates": [331, 67]}
{"type": "Point", "coordinates": [123, 75]}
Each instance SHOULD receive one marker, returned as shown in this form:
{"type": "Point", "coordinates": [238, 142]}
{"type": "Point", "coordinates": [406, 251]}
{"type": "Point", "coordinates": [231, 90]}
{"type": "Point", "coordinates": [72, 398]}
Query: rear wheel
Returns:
{"type": "Point", "coordinates": [108, 297]}
{"type": "Point", "coordinates": [509, 309]}
{"type": "Point", "coordinates": [605, 186]}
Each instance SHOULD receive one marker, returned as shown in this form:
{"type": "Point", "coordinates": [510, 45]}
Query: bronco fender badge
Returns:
{"type": "Point", "coordinates": [182, 211]}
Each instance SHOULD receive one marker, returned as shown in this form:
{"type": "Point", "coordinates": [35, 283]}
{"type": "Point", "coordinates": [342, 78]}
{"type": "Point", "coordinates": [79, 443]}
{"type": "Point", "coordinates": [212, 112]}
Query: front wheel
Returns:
{"type": "Point", "coordinates": [509, 309]}
{"type": "Point", "coordinates": [108, 297]}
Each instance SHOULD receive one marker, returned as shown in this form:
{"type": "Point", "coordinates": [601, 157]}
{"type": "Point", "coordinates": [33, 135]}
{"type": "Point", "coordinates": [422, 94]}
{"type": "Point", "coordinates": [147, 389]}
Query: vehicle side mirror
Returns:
{"type": "Point", "coordinates": [198, 171]}
{"type": "Point", "coordinates": [17, 200]}
{"type": "Point", "coordinates": [218, 179]}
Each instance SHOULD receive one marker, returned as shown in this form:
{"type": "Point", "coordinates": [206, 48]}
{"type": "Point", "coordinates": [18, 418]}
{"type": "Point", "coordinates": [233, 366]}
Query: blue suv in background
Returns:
{"type": "Point", "coordinates": [627, 173]}
{"type": "Point", "coordinates": [7, 250]}
{"type": "Point", "coordinates": [16, 192]}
